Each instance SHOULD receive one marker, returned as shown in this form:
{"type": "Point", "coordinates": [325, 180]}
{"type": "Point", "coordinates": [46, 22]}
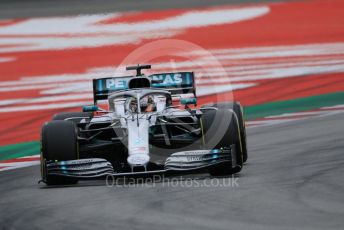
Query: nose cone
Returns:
{"type": "Point", "coordinates": [138, 159]}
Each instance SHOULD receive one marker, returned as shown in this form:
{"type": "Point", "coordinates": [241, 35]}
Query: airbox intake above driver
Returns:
{"type": "Point", "coordinates": [139, 82]}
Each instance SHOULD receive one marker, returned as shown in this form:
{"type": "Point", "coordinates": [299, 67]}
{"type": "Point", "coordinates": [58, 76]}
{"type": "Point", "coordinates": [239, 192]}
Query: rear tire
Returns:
{"type": "Point", "coordinates": [221, 130]}
{"type": "Point", "coordinates": [58, 143]}
{"type": "Point", "coordinates": [237, 108]}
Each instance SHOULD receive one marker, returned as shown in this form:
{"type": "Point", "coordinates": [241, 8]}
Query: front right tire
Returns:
{"type": "Point", "coordinates": [59, 142]}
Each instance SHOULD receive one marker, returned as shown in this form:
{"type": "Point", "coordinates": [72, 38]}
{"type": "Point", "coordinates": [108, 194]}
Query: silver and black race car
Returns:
{"type": "Point", "coordinates": [151, 125]}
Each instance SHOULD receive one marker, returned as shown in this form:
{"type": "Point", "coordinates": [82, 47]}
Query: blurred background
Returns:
{"type": "Point", "coordinates": [283, 60]}
{"type": "Point", "coordinates": [277, 56]}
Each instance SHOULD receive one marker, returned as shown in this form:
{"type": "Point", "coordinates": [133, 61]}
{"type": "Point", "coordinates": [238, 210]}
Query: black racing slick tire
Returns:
{"type": "Point", "coordinates": [237, 108]}
{"type": "Point", "coordinates": [78, 116]}
{"type": "Point", "coordinates": [59, 142]}
{"type": "Point", "coordinates": [221, 130]}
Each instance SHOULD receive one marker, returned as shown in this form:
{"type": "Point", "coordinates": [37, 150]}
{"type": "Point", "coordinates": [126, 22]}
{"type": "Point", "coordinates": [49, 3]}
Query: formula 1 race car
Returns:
{"type": "Point", "coordinates": [151, 125]}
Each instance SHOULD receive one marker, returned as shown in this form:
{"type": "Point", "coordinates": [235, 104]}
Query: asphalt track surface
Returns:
{"type": "Point", "coordinates": [293, 179]}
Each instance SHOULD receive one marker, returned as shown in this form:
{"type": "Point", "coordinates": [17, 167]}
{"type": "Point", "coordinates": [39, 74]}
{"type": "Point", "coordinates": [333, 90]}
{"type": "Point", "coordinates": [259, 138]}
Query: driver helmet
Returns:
{"type": "Point", "coordinates": [146, 104]}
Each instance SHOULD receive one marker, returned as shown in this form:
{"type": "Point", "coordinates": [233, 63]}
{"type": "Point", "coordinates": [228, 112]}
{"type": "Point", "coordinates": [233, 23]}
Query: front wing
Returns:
{"type": "Point", "coordinates": [177, 162]}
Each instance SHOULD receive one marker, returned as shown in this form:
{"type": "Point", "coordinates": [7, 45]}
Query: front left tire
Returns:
{"type": "Point", "coordinates": [237, 108]}
{"type": "Point", "coordinates": [221, 130]}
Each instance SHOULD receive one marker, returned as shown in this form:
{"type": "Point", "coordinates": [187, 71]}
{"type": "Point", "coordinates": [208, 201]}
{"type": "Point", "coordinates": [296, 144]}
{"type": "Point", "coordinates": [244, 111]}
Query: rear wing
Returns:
{"type": "Point", "coordinates": [176, 83]}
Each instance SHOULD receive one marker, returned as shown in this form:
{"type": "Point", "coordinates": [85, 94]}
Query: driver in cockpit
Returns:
{"type": "Point", "coordinates": [147, 105]}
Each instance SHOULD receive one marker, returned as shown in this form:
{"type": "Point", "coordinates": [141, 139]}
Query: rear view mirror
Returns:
{"type": "Point", "coordinates": [90, 108]}
{"type": "Point", "coordinates": [188, 101]}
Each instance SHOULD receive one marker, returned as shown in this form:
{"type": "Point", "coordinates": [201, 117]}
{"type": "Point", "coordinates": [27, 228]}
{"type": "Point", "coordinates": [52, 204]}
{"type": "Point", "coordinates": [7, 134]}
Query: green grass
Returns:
{"type": "Point", "coordinates": [19, 150]}
{"type": "Point", "coordinates": [296, 105]}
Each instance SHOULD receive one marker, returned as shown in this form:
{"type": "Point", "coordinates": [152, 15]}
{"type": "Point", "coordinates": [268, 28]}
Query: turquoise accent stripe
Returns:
{"type": "Point", "coordinates": [188, 79]}
{"type": "Point", "coordinates": [100, 86]}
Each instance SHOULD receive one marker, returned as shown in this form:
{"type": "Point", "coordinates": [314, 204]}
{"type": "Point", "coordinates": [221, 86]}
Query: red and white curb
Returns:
{"type": "Point", "coordinates": [19, 162]}
{"type": "Point", "coordinates": [243, 69]}
{"type": "Point", "coordinates": [288, 117]}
